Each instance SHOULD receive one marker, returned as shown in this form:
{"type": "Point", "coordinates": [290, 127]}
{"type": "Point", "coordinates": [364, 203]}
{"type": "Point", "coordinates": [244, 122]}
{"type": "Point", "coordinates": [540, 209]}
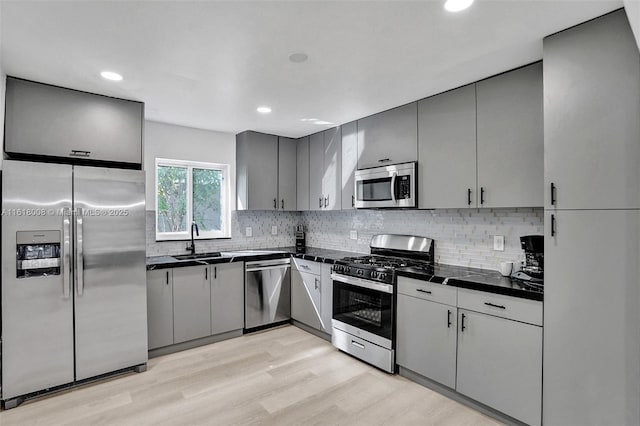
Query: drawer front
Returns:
{"type": "Point", "coordinates": [368, 352]}
{"type": "Point", "coordinates": [529, 311]}
{"type": "Point", "coordinates": [307, 266]}
{"type": "Point", "coordinates": [427, 291]}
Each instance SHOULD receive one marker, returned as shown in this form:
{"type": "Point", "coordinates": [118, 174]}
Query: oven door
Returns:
{"type": "Point", "coordinates": [386, 187]}
{"type": "Point", "coordinates": [364, 305]}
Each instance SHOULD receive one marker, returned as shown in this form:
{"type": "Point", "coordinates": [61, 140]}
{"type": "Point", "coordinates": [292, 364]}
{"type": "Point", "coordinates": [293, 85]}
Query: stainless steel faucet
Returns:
{"type": "Point", "coordinates": [192, 247]}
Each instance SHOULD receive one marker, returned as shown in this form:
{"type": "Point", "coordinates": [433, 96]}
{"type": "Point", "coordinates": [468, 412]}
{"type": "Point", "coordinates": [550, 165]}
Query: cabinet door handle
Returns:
{"type": "Point", "coordinates": [326, 201]}
{"type": "Point", "coordinates": [316, 283]}
{"type": "Point", "coordinates": [494, 306]}
{"type": "Point", "coordinates": [167, 277]}
{"type": "Point", "coordinates": [384, 160]}
{"type": "Point", "coordinates": [462, 327]}
{"type": "Point", "coordinates": [353, 201]}
{"type": "Point", "coordinates": [275, 203]}
{"type": "Point", "coordinates": [206, 273]}
{"type": "Point", "coordinates": [481, 195]}
{"type": "Point", "coordinates": [283, 204]}
{"type": "Point", "coordinates": [320, 202]}
{"type": "Point", "coordinates": [469, 196]}
{"type": "Point", "coordinates": [215, 272]}
{"type": "Point", "coordinates": [553, 225]}
{"type": "Point", "coordinates": [553, 194]}
{"type": "Point", "coordinates": [423, 291]}
{"type": "Point", "coordinates": [448, 318]}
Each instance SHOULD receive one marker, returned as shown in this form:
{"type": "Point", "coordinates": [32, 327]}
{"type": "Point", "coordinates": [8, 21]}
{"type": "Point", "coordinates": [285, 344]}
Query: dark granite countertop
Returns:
{"type": "Point", "coordinates": [475, 279]}
{"type": "Point", "coordinates": [311, 253]}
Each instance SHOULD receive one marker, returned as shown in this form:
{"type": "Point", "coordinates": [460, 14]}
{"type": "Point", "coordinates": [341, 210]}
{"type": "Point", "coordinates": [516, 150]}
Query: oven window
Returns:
{"type": "Point", "coordinates": [367, 309]}
{"type": "Point", "coordinates": [374, 189]}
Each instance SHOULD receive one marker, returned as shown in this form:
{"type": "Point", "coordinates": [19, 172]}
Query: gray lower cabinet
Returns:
{"type": "Point", "coordinates": [388, 137]}
{"type": "Point", "coordinates": [500, 364]}
{"type": "Point", "coordinates": [447, 149]}
{"type": "Point", "coordinates": [510, 139]}
{"type": "Point", "coordinates": [191, 303]}
{"type": "Point", "coordinates": [302, 174]}
{"type": "Point", "coordinates": [312, 294]}
{"type": "Point", "coordinates": [160, 308]}
{"type": "Point", "coordinates": [592, 317]}
{"type": "Point", "coordinates": [426, 338]}
{"type": "Point", "coordinates": [227, 297]}
{"type": "Point", "coordinates": [349, 163]}
{"type": "Point", "coordinates": [287, 173]}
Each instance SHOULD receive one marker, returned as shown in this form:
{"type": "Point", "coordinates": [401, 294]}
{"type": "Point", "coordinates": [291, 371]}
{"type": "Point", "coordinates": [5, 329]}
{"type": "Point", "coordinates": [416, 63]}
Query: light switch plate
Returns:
{"type": "Point", "coordinates": [248, 231]}
{"type": "Point", "coordinates": [353, 235]}
{"type": "Point", "coordinates": [274, 230]}
{"type": "Point", "coordinates": [498, 242]}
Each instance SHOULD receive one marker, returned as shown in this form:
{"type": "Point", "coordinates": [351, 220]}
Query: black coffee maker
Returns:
{"type": "Point", "coordinates": [533, 246]}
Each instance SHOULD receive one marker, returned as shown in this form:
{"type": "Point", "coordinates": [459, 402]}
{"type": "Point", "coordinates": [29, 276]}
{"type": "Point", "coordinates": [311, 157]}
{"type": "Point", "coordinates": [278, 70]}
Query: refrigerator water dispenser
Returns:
{"type": "Point", "coordinates": [37, 253]}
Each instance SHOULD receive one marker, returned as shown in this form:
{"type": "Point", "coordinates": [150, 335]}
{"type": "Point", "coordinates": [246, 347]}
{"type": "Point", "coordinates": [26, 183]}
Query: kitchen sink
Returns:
{"type": "Point", "coordinates": [250, 252]}
{"type": "Point", "coordinates": [197, 256]}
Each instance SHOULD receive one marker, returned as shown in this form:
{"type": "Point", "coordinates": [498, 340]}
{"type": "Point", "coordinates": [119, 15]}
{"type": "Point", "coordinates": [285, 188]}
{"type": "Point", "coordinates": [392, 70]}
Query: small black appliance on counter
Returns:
{"type": "Point", "coordinates": [301, 242]}
{"type": "Point", "coordinates": [533, 246]}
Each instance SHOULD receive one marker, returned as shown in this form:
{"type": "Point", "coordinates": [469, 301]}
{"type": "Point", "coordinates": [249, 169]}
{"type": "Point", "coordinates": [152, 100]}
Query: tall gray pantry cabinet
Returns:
{"type": "Point", "coordinates": [592, 225]}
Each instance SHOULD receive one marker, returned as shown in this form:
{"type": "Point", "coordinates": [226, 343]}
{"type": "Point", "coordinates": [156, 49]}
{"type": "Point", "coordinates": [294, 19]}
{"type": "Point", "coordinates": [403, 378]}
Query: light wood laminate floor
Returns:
{"type": "Point", "coordinates": [283, 376]}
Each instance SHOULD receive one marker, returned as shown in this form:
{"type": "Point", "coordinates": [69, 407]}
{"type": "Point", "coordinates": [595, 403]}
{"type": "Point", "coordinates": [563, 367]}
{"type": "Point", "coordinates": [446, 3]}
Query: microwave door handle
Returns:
{"type": "Point", "coordinates": [393, 187]}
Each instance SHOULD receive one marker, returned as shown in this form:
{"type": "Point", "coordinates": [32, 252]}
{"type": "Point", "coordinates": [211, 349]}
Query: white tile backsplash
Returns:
{"type": "Point", "coordinates": [463, 236]}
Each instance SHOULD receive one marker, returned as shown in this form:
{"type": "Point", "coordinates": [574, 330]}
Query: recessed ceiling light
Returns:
{"type": "Point", "coordinates": [457, 5]}
{"type": "Point", "coordinates": [298, 57]}
{"type": "Point", "coordinates": [321, 122]}
{"type": "Point", "coordinates": [263, 109]}
{"type": "Point", "coordinates": [308, 119]}
{"type": "Point", "coordinates": [110, 75]}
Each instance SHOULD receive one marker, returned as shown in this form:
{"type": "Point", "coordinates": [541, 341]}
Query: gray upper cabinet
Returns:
{"type": "Point", "coordinates": [349, 163]}
{"type": "Point", "coordinates": [332, 177]}
{"type": "Point", "coordinates": [447, 149]}
{"type": "Point", "coordinates": [191, 303]}
{"type": "Point", "coordinates": [325, 170]}
{"type": "Point", "coordinates": [591, 110]}
{"type": "Point", "coordinates": [160, 308]}
{"type": "Point", "coordinates": [287, 173]}
{"type": "Point", "coordinates": [388, 137]}
{"type": "Point", "coordinates": [302, 174]}
{"type": "Point", "coordinates": [316, 171]}
{"type": "Point", "coordinates": [511, 139]}
{"type": "Point", "coordinates": [227, 297]}
{"type": "Point", "coordinates": [257, 171]}
{"type": "Point", "coordinates": [53, 121]}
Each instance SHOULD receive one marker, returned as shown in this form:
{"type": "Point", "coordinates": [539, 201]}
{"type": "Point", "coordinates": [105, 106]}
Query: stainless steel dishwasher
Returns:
{"type": "Point", "coordinates": [267, 293]}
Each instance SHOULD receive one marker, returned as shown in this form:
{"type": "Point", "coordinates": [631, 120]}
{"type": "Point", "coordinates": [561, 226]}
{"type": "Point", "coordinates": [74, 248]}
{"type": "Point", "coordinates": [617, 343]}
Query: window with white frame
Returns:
{"type": "Point", "coordinates": [188, 192]}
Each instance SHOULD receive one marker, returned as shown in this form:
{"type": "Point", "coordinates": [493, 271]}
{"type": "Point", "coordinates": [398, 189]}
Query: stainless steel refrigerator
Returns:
{"type": "Point", "coordinates": [73, 274]}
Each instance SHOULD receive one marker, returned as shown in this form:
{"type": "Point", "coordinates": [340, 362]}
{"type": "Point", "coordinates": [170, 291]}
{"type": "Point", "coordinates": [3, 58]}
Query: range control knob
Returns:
{"type": "Point", "coordinates": [360, 272]}
{"type": "Point", "coordinates": [347, 269]}
{"type": "Point", "coordinates": [375, 274]}
{"type": "Point", "coordinates": [382, 276]}
{"type": "Point", "coordinates": [338, 268]}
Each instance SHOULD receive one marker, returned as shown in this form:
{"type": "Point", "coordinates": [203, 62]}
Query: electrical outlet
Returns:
{"type": "Point", "coordinates": [248, 231]}
{"type": "Point", "coordinates": [498, 242]}
{"type": "Point", "coordinates": [274, 230]}
{"type": "Point", "coordinates": [353, 235]}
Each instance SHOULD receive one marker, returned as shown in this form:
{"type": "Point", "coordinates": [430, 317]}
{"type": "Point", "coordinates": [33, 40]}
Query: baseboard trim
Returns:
{"type": "Point", "coordinates": [450, 393]}
{"type": "Point", "coordinates": [166, 350]}
{"type": "Point", "coordinates": [312, 330]}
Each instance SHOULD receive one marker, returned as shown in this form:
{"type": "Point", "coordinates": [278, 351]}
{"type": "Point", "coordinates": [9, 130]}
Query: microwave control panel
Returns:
{"type": "Point", "coordinates": [404, 187]}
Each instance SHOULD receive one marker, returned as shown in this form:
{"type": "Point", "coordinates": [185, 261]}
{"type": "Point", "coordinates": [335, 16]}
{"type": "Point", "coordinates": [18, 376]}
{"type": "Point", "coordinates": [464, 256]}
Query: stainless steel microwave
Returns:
{"type": "Point", "coordinates": [392, 186]}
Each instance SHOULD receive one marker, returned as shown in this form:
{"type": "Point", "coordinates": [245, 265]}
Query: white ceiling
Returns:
{"type": "Point", "coordinates": [210, 64]}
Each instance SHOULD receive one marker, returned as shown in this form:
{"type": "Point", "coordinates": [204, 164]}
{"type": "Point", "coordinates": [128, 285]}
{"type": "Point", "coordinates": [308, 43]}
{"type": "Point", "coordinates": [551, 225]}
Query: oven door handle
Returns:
{"type": "Point", "coordinates": [359, 282]}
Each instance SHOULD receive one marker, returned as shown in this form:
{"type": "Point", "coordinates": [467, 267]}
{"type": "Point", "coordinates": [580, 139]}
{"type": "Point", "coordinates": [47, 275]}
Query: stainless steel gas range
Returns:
{"type": "Point", "coordinates": [364, 297]}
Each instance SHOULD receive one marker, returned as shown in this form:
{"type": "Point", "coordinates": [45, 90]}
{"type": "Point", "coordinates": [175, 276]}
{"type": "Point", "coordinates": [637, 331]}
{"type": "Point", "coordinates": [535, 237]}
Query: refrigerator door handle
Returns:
{"type": "Point", "coordinates": [79, 254]}
{"type": "Point", "coordinates": [66, 253]}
